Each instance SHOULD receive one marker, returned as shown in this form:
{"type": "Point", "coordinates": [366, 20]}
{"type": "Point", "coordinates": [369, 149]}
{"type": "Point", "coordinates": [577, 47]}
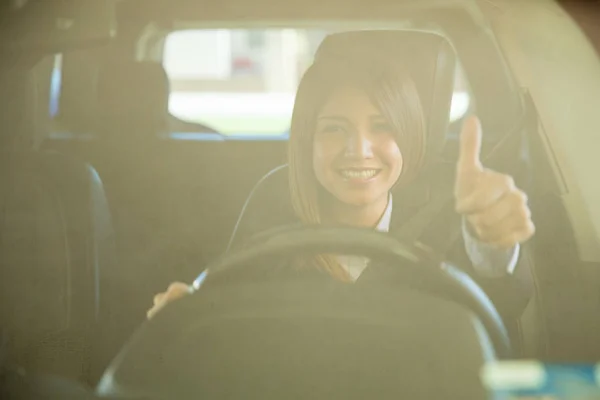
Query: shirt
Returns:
{"type": "Point", "coordinates": [487, 260]}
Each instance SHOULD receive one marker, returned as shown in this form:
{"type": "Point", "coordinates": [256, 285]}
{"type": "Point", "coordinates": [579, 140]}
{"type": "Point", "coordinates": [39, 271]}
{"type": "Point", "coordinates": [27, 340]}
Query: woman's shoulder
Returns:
{"type": "Point", "coordinates": [267, 206]}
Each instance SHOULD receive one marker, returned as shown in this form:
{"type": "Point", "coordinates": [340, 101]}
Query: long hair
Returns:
{"type": "Point", "coordinates": [390, 89]}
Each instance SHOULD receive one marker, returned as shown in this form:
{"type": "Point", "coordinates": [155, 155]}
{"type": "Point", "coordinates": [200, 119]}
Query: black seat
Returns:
{"type": "Point", "coordinates": [56, 239]}
{"type": "Point", "coordinates": [131, 121]}
{"type": "Point", "coordinates": [131, 115]}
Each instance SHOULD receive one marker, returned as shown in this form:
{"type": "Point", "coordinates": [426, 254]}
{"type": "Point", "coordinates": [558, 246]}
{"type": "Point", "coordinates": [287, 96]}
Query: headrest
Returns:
{"type": "Point", "coordinates": [428, 57]}
{"type": "Point", "coordinates": [18, 111]}
{"type": "Point", "coordinates": [50, 26]}
{"type": "Point", "coordinates": [134, 93]}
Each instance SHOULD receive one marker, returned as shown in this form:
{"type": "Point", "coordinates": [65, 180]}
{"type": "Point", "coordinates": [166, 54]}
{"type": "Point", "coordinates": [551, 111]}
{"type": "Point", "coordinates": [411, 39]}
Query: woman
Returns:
{"type": "Point", "coordinates": [357, 135]}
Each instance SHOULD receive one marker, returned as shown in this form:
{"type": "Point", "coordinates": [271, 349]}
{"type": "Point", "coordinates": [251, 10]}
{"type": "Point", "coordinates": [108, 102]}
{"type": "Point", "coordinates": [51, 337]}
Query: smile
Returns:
{"type": "Point", "coordinates": [362, 174]}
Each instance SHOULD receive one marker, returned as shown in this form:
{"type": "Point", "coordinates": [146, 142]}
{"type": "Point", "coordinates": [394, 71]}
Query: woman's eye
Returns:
{"type": "Point", "coordinates": [332, 129]}
{"type": "Point", "coordinates": [382, 127]}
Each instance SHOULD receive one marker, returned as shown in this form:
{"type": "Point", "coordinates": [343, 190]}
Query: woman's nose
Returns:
{"type": "Point", "coordinates": [359, 145]}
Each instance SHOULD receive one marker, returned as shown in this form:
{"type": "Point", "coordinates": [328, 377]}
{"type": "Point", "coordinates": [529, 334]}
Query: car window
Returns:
{"type": "Point", "coordinates": [243, 81]}
{"type": "Point", "coordinates": [55, 85]}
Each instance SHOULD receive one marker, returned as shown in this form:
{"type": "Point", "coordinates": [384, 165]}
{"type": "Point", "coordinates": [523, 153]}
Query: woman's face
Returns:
{"type": "Point", "coordinates": [355, 154]}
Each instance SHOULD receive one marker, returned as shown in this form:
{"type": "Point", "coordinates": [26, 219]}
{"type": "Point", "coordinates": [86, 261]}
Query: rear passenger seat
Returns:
{"type": "Point", "coordinates": [56, 240]}
{"type": "Point", "coordinates": [171, 213]}
{"type": "Point", "coordinates": [132, 115]}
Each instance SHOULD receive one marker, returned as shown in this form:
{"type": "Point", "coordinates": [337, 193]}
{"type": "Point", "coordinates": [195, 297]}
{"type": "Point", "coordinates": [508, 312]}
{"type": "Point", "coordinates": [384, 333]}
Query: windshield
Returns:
{"type": "Point", "coordinates": [243, 81]}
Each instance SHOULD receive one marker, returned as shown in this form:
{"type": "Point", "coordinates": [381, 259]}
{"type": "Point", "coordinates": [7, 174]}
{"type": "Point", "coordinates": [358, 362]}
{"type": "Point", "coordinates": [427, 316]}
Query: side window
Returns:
{"type": "Point", "coordinates": [70, 101]}
{"type": "Point", "coordinates": [55, 86]}
{"type": "Point", "coordinates": [243, 81]}
{"type": "Point", "coordinates": [462, 100]}
{"type": "Point", "coordinates": [48, 82]}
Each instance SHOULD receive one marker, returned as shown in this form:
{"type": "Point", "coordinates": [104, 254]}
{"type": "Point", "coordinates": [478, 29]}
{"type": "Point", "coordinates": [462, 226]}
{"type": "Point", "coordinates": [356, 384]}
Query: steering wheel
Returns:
{"type": "Point", "coordinates": [425, 270]}
{"type": "Point", "coordinates": [422, 269]}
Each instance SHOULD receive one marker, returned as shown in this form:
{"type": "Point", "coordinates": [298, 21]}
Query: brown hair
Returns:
{"type": "Point", "coordinates": [390, 89]}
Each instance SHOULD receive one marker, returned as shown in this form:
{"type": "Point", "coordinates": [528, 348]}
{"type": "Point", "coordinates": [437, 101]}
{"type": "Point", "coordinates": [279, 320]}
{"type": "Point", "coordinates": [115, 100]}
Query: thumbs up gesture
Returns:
{"type": "Point", "coordinates": [495, 209]}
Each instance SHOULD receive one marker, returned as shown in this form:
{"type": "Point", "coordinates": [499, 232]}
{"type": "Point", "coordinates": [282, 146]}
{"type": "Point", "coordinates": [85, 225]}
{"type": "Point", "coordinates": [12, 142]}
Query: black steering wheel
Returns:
{"type": "Point", "coordinates": [425, 269]}
{"type": "Point", "coordinates": [422, 269]}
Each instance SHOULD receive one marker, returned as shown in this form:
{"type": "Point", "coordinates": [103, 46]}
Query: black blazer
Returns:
{"type": "Point", "coordinates": [269, 206]}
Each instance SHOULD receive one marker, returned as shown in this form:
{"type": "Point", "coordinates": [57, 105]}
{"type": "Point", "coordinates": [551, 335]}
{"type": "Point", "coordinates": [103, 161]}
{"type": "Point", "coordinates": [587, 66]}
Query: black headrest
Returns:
{"type": "Point", "coordinates": [133, 93]}
{"type": "Point", "coordinates": [19, 117]}
{"type": "Point", "coordinates": [428, 57]}
{"type": "Point", "coordinates": [50, 26]}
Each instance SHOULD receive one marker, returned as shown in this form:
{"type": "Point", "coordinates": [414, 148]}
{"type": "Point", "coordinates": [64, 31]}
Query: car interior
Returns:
{"type": "Point", "coordinates": [122, 171]}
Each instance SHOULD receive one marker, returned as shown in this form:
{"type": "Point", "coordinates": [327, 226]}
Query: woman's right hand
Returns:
{"type": "Point", "coordinates": [176, 290]}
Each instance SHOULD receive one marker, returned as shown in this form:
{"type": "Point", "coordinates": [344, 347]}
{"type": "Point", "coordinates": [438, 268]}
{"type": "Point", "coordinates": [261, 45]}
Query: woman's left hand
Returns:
{"type": "Point", "coordinates": [495, 209]}
{"type": "Point", "coordinates": [176, 290]}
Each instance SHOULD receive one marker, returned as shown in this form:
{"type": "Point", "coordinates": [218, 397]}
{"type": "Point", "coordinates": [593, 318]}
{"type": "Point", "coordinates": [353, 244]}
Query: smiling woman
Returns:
{"type": "Point", "coordinates": [358, 131]}
{"type": "Point", "coordinates": [353, 120]}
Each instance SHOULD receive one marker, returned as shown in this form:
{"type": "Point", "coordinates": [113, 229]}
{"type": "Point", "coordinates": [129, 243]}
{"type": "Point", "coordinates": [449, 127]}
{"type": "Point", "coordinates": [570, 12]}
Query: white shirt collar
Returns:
{"type": "Point", "coordinates": [356, 265]}
{"type": "Point", "coordinates": [384, 222]}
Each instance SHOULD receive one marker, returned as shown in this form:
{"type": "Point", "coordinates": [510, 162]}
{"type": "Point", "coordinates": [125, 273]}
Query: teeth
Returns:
{"type": "Point", "coordinates": [354, 174]}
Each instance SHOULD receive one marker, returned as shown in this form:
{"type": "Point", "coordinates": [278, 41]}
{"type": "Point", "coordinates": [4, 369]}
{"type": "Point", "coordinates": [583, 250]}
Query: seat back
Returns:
{"type": "Point", "coordinates": [131, 117]}
{"type": "Point", "coordinates": [55, 239]}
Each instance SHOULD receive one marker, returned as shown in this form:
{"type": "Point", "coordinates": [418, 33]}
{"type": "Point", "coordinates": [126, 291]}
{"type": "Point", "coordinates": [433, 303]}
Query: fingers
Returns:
{"type": "Point", "coordinates": [470, 147]}
{"type": "Point", "coordinates": [508, 233]}
{"type": "Point", "coordinates": [490, 188]}
{"type": "Point", "coordinates": [152, 312]}
{"type": "Point", "coordinates": [513, 203]}
{"type": "Point", "coordinates": [175, 291]}
{"type": "Point", "coordinates": [158, 299]}
{"type": "Point", "coordinates": [515, 237]}
{"type": "Point", "coordinates": [505, 223]}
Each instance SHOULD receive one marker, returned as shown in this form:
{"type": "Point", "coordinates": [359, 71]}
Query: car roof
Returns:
{"type": "Point", "coordinates": [265, 11]}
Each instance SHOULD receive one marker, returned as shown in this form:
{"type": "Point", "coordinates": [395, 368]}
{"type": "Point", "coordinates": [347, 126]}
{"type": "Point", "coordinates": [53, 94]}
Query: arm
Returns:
{"type": "Point", "coordinates": [487, 260]}
{"type": "Point", "coordinates": [498, 221]}
{"type": "Point", "coordinates": [509, 291]}
{"type": "Point", "coordinates": [176, 290]}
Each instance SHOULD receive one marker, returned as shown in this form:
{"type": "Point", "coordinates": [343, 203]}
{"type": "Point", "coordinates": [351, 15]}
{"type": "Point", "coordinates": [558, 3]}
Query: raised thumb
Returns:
{"type": "Point", "coordinates": [470, 147]}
